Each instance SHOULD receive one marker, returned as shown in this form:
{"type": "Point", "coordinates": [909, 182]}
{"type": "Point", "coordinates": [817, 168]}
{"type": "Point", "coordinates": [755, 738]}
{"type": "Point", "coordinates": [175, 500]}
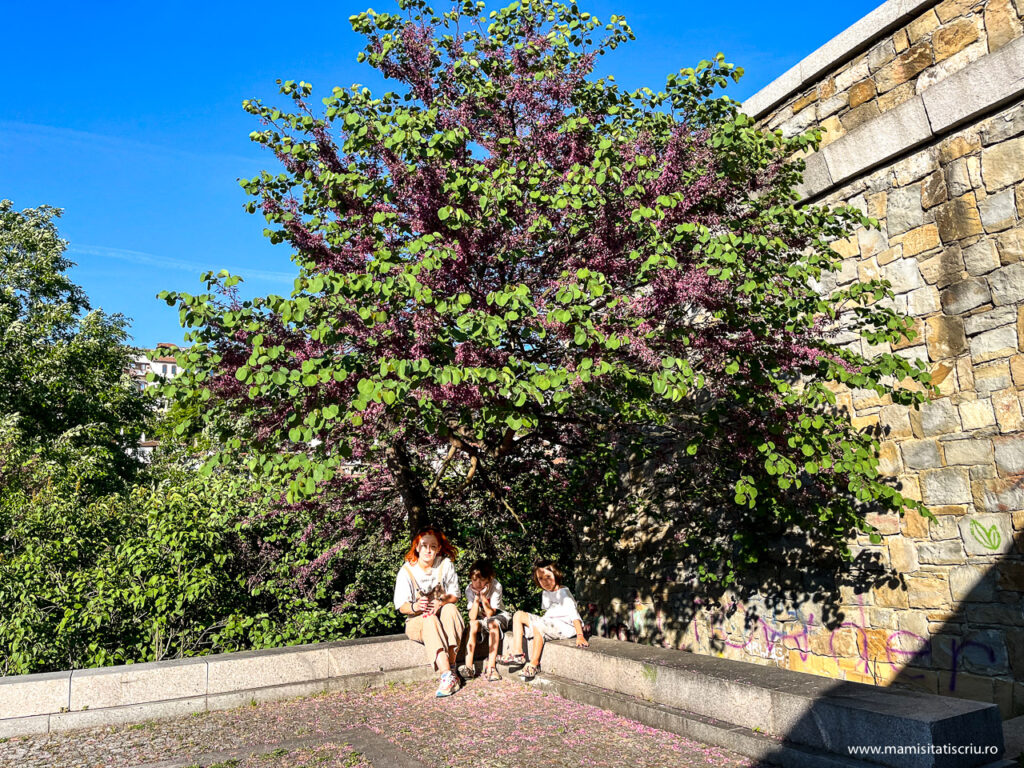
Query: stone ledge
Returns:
{"type": "Point", "coordinates": [847, 44]}
{"type": "Point", "coordinates": [984, 86]}
{"type": "Point", "coordinates": [61, 701]}
{"type": "Point", "coordinates": [810, 711]}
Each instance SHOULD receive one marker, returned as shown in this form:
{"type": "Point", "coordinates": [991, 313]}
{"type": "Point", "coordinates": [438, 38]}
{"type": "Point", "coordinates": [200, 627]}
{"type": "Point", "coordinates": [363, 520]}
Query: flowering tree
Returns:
{"type": "Point", "coordinates": [509, 262]}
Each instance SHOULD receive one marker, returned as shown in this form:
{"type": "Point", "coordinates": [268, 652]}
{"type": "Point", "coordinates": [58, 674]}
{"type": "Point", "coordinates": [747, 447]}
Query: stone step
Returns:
{"type": "Point", "coordinates": [826, 715]}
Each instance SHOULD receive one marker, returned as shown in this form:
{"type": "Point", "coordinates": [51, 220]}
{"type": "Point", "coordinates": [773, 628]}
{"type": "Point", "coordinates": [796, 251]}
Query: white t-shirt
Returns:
{"type": "Point", "coordinates": [413, 580]}
{"type": "Point", "coordinates": [559, 605]}
{"type": "Point", "coordinates": [495, 598]}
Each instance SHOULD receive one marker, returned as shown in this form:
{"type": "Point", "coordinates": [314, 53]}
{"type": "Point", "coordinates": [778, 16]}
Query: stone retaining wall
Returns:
{"type": "Point", "coordinates": [84, 698]}
{"type": "Point", "coordinates": [925, 132]}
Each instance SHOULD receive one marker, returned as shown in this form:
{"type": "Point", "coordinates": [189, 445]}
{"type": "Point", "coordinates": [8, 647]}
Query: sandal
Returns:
{"type": "Point", "coordinates": [491, 675]}
{"type": "Point", "coordinates": [467, 672]}
{"type": "Point", "coordinates": [529, 672]}
{"type": "Point", "coordinates": [512, 659]}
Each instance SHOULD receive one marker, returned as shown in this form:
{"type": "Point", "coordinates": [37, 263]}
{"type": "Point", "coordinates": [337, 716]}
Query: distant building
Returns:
{"type": "Point", "coordinates": [160, 362]}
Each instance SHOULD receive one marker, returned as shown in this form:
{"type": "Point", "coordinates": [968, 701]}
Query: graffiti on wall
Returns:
{"type": "Point", "coordinates": [798, 641]}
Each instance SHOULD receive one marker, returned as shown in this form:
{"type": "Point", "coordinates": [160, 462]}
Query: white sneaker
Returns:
{"type": "Point", "coordinates": [448, 685]}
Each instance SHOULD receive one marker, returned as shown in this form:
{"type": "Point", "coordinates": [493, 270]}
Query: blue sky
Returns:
{"type": "Point", "coordinates": [128, 116]}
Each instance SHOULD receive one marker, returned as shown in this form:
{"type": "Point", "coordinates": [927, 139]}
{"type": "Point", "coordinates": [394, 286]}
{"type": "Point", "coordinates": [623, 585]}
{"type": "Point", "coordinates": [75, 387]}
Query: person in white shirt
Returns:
{"type": "Point", "coordinates": [561, 620]}
{"type": "Point", "coordinates": [487, 617]}
{"type": "Point", "coordinates": [431, 615]}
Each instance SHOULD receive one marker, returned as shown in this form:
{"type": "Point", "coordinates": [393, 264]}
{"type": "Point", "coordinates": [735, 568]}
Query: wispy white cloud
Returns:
{"type": "Point", "coordinates": [14, 132]}
{"type": "Point", "coordinates": [165, 262]}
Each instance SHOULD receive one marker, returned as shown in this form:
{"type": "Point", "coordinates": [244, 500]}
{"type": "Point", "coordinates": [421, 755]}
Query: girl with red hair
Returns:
{"type": "Point", "coordinates": [426, 590]}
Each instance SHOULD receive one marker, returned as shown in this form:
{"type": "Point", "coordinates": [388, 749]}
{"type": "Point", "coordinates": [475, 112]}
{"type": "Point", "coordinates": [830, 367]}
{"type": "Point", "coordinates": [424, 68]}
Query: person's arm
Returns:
{"type": "Point", "coordinates": [474, 604]}
{"type": "Point", "coordinates": [581, 641]}
{"type": "Point", "coordinates": [404, 591]}
{"type": "Point", "coordinates": [488, 603]}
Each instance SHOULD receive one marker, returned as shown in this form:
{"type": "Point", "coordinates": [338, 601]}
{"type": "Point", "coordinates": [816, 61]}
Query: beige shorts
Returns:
{"type": "Point", "coordinates": [549, 629]}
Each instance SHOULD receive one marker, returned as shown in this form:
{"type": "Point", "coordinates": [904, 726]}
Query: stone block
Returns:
{"type": "Point", "coordinates": [987, 321]}
{"type": "Point", "coordinates": [1017, 368]}
{"type": "Point", "coordinates": [1002, 127]}
{"type": "Point", "coordinates": [945, 268]}
{"type": "Point", "coordinates": [860, 93]}
{"type": "Point", "coordinates": [944, 336]}
{"type": "Point", "coordinates": [987, 534]}
{"type": "Point", "coordinates": [24, 726]}
{"type": "Point", "coordinates": [975, 583]}
{"type": "Point", "coordinates": [799, 122]}
{"type": "Point", "coordinates": [1003, 494]}
{"type": "Point", "coordinates": [976, 414]}
{"type": "Point", "coordinates": [941, 552]}
{"type": "Point", "coordinates": [1007, 284]}
{"type": "Point", "coordinates": [975, 89]}
{"type": "Point", "coordinates": [927, 591]}
{"type": "Point", "coordinates": [965, 295]}
{"type": "Point", "coordinates": [943, 527]}
{"type": "Point", "coordinates": [915, 167]}
{"type": "Point", "coordinates": [135, 713]}
{"type": "Point", "coordinates": [1010, 246]}
{"type": "Point", "coordinates": [137, 683]}
{"type": "Point", "coordinates": [904, 67]}
{"type": "Point", "coordinates": [1009, 454]}
{"type": "Point", "coordinates": [951, 485]}
{"type": "Point", "coordinates": [40, 694]}
{"type": "Point", "coordinates": [982, 257]}
{"type": "Point", "coordinates": [933, 190]}
{"type": "Point", "coordinates": [891, 597]}
{"type": "Point", "coordinates": [902, 554]}
{"type": "Point", "coordinates": [921, 454]}
{"type": "Point", "coordinates": [881, 54]}
{"type": "Point", "coordinates": [815, 176]}
{"type": "Point", "coordinates": [938, 417]}
{"type": "Point", "coordinates": [871, 242]}
{"type": "Point", "coordinates": [922, 26]}
{"type": "Point", "coordinates": [1001, 23]}
{"type": "Point", "coordinates": [904, 211]}
{"type": "Point", "coordinates": [958, 219]}
{"type": "Point", "coordinates": [806, 100]}
{"type": "Point", "coordinates": [362, 656]}
{"type": "Point", "coordinates": [999, 342]}
{"type": "Point", "coordinates": [958, 145]}
{"type": "Point", "coordinates": [885, 137]}
{"type": "Point", "coordinates": [258, 669]}
{"type": "Point", "coordinates": [920, 239]}
{"type": "Point", "coordinates": [904, 274]}
{"type": "Point", "coordinates": [953, 38]}
{"type": "Point", "coordinates": [1003, 164]}
{"type": "Point", "coordinates": [998, 211]}
{"type": "Point", "coordinates": [895, 420]}
{"type": "Point", "coordinates": [923, 301]}
{"type": "Point", "coordinates": [898, 95]}
{"type": "Point", "coordinates": [977, 450]}
{"type": "Point", "coordinates": [1006, 403]}
{"type": "Point", "coordinates": [958, 177]}
{"type": "Point", "coordinates": [991, 377]}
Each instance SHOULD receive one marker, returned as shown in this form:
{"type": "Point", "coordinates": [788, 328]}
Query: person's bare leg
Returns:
{"type": "Point", "coordinates": [536, 647]}
{"type": "Point", "coordinates": [494, 639]}
{"type": "Point", "coordinates": [518, 622]}
{"type": "Point", "coordinates": [474, 627]}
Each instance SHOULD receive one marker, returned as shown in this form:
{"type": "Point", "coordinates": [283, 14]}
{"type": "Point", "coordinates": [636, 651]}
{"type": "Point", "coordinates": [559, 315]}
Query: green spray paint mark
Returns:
{"type": "Point", "coordinates": [989, 538]}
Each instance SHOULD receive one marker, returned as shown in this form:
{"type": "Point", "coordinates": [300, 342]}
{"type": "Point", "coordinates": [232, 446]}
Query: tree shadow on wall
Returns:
{"type": "Point", "coordinates": [658, 558]}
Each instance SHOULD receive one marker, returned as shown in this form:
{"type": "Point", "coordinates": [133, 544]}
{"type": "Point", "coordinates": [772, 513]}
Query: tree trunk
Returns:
{"type": "Point", "coordinates": [414, 496]}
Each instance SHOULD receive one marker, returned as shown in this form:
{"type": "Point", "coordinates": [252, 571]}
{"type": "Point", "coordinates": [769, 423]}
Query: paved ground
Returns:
{"type": "Point", "coordinates": [487, 725]}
